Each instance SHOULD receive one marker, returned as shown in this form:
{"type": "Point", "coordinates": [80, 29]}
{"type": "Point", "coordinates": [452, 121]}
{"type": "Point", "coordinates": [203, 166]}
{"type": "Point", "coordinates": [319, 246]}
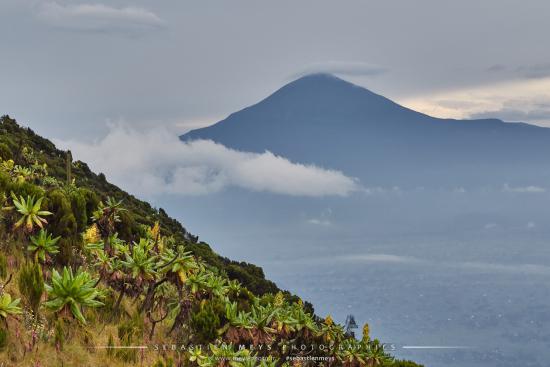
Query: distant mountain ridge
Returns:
{"type": "Point", "coordinates": [327, 121]}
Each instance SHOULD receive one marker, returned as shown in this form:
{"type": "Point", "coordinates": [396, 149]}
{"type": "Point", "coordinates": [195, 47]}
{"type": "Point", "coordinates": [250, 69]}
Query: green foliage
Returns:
{"type": "Point", "coordinates": [107, 215]}
{"type": "Point", "coordinates": [79, 209]}
{"type": "Point", "coordinates": [3, 266]}
{"type": "Point", "coordinates": [30, 211]}
{"type": "Point", "coordinates": [43, 245]}
{"type": "Point", "coordinates": [9, 307]}
{"type": "Point", "coordinates": [400, 363]}
{"type": "Point", "coordinates": [70, 292]}
{"type": "Point", "coordinates": [140, 263]}
{"type": "Point", "coordinates": [206, 321]}
{"type": "Point", "coordinates": [59, 334]}
{"type": "Point", "coordinates": [3, 338]}
{"type": "Point", "coordinates": [63, 224]}
{"type": "Point", "coordinates": [31, 285]}
{"type": "Point", "coordinates": [5, 151]}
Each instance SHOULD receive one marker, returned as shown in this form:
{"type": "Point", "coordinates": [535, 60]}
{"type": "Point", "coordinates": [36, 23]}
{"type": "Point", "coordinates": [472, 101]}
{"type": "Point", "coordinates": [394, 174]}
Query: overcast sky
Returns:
{"type": "Point", "coordinates": [68, 68]}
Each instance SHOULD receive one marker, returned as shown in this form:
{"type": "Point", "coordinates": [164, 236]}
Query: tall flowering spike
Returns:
{"type": "Point", "coordinates": [182, 276]}
{"type": "Point", "coordinates": [279, 299]}
{"type": "Point", "coordinates": [155, 231]}
{"type": "Point", "coordinates": [366, 330]}
{"type": "Point", "coordinates": [329, 321]}
{"type": "Point", "coordinates": [92, 234]}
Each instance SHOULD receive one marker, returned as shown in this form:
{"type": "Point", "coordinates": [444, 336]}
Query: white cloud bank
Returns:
{"type": "Point", "coordinates": [156, 162]}
{"type": "Point", "coordinates": [523, 189]}
{"type": "Point", "coordinates": [98, 17]}
{"type": "Point", "coordinates": [517, 100]}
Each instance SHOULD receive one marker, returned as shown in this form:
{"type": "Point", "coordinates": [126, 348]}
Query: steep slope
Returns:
{"type": "Point", "coordinates": [15, 137]}
{"type": "Point", "coordinates": [327, 121]}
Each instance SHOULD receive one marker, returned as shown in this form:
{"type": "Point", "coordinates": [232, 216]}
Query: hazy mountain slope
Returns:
{"type": "Point", "coordinates": [327, 121]}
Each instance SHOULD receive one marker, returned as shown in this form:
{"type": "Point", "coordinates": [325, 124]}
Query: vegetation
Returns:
{"type": "Point", "coordinates": [30, 211]}
{"type": "Point", "coordinates": [9, 307]}
{"type": "Point", "coordinates": [69, 293]}
{"type": "Point", "coordinates": [109, 281]}
{"type": "Point", "coordinates": [43, 245]}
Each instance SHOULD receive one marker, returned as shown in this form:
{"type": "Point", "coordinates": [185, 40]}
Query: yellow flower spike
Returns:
{"type": "Point", "coordinates": [92, 234]}
{"type": "Point", "coordinates": [279, 299]}
{"type": "Point", "coordinates": [155, 231]}
{"type": "Point", "coordinates": [329, 321]}
{"type": "Point", "coordinates": [182, 276]}
{"type": "Point", "coordinates": [366, 331]}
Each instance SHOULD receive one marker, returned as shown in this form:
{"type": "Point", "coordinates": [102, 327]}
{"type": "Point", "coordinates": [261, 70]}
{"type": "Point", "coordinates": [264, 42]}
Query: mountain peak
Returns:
{"type": "Point", "coordinates": [325, 92]}
{"type": "Point", "coordinates": [323, 81]}
{"type": "Point", "coordinates": [324, 120]}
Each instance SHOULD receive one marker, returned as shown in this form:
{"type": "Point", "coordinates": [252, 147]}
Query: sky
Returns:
{"type": "Point", "coordinates": [71, 69]}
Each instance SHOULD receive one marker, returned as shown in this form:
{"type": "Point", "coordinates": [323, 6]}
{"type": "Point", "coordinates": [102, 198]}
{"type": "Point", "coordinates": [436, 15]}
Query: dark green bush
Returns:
{"type": "Point", "coordinates": [5, 152]}
{"type": "Point", "coordinates": [3, 338]}
{"type": "Point", "coordinates": [3, 266]}
{"type": "Point", "coordinates": [78, 206]}
{"type": "Point", "coordinates": [91, 199]}
{"type": "Point", "coordinates": [206, 321]}
{"type": "Point", "coordinates": [59, 334]}
{"type": "Point", "coordinates": [31, 285]}
{"type": "Point", "coordinates": [25, 189]}
{"type": "Point", "coordinates": [63, 223]}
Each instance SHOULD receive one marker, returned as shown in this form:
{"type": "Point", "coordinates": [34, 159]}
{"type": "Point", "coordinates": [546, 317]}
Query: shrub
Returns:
{"type": "Point", "coordinates": [5, 151]}
{"type": "Point", "coordinates": [3, 266]}
{"type": "Point", "coordinates": [206, 321]}
{"type": "Point", "coordinates": [31, 285]}
{"type": "Point", "coordinates": [3, 338]}
{"type": "Point", "coordinates": [63, 224]}
{"type": "Point", "coordinates": [78, 206]}
{"type": "Point", "coordinates": [59, 334]}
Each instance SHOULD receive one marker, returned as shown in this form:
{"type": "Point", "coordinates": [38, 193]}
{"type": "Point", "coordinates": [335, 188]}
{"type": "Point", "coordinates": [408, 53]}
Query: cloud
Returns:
{"type": "Point", "coordinates": [490, 226]}
{"type": "Point", "coordinates": [534, 71]}
{"type": "Point", "coordinates": [98, 18]}
{"type": "Point", "coordinates": [324, 219]}
{"type": "Point", "coordinates": [529, 71]}
{"type": "Point", "coordinates": [383, 258]}
{"type": "Point", "coordinates": [523, 189]}
{"type": "Point", "coordinates": [524, 100]}
{"type": "Point", "coordinates": [531, 269]}
{"type": "Point", "coordinates": [511, 111]}
{"type": "Point", "coordinates": [342, 68]}
{"type": "Point", "coordinates": [156, 162]}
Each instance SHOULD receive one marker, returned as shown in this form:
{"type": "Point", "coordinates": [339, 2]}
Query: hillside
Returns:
{"type": "Point", "coordinates": [92, 276]}
{"type": "Point", "coordinates": [327, 121]}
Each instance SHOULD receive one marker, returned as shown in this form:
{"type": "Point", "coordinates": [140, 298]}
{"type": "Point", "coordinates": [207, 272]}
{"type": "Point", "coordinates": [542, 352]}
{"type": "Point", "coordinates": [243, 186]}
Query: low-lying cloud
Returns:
{"type": "Point", "coordinates": [156, 162]}
{"type": "Point", "coordinates": [342, 68]}
{"type": "Point", "coordinates": [524, 189]}
{"type": "Point", "coordinates": [98, 17]}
